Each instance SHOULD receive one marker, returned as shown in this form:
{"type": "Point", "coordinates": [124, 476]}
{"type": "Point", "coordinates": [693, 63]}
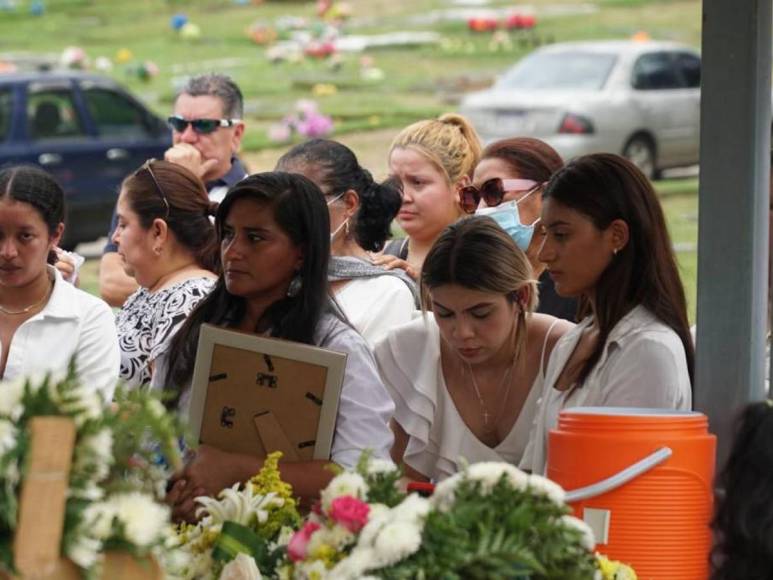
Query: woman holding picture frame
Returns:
{"type": "Point", "coordinates": [274, 233]}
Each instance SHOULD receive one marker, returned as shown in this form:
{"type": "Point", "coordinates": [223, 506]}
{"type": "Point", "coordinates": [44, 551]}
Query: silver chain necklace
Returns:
{"type": "Point", "coordinates": [483, 408]}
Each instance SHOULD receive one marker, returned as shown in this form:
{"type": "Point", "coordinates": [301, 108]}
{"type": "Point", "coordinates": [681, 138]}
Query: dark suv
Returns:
{"type": "Point", "coordinates": [84, 129]}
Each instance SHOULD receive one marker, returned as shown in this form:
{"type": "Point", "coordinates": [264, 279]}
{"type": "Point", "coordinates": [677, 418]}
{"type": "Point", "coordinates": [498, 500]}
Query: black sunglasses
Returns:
{"type": "Point", "coordinates": [148, 166]}
{"type": "Point", "coordinates": [493, 192]}
{"type": "Point", "coordinates": [200, 126]}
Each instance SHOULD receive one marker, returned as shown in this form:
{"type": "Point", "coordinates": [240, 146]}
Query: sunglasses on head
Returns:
{"type": "Point", "coordinates": [147, 166]}
{"type": "Point", "coordinates": [493, 192]}
{"type": "Point", "coordinates": [200, 126]}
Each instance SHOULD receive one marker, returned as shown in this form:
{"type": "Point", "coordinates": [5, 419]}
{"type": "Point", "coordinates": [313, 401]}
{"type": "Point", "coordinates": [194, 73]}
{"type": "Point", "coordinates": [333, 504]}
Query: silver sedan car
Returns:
{"type": "Point", "coordinates": [640, 99]}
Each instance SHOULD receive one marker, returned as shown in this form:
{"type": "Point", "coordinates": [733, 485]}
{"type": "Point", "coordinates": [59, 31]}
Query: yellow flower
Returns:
{"type": "Point", "coordinates": [324, 90]}
{"type": "Point", "coordinates": [124, 55]}
{"type": "Point", "coordinates": [614, 570]}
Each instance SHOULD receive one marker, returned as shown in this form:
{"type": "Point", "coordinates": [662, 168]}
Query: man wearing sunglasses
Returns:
{"type": "Point", "coordinates": [207, 130]}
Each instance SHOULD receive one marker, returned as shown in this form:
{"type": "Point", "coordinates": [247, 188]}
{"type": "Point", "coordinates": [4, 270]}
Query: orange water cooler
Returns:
{"type": "Point", "coordinates": [643, 480]}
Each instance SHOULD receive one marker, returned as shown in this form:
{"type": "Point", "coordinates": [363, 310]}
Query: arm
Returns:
{"type": "Point", "coordinates": [398, 451]}
{"type": "Point", "coordinates": [365, 406]}
{"type": "Point", "coordinates": [98, 357]}
{"type": "Point", "coordinates": [115, 286]}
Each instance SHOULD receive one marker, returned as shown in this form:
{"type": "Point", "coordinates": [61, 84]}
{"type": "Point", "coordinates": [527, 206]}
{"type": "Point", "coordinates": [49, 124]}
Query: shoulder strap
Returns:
{"type": "Point", "coordinates": [545, 347]}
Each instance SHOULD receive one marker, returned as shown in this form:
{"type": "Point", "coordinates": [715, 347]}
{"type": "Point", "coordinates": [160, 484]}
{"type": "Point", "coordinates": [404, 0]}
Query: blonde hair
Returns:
{"type": "Point", "coordinates": [450, 142]}
{"type": "Point", "coordinates": [477, 254]}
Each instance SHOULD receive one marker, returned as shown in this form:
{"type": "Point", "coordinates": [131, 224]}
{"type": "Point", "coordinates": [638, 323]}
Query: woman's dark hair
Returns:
{"type": "Point", "coordinates": [743, 520]}
{"type": "Point", "coordinates": [37, 188]}
{"type": "Point", "coordinates": [174, 194]}
{"type": "Point", "coordinates": [300, 211]}
{"type": "Point", "coordinates": [606, 187]}
{"type": "Point", "coordinates": [528, 157]}
{"type": "Point", "coordinates": [335, 169]}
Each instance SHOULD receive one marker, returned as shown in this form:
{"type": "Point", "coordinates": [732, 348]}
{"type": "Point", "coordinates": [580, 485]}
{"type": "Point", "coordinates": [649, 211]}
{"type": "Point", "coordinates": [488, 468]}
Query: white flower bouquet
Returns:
{"type": "Point", "coordinates": [489, 521]}
{"type": "Point", "coordinates": [112, 487]}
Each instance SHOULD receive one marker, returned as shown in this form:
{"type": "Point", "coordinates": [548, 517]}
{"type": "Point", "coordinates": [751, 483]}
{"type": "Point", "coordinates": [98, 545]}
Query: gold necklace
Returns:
{"type": "Point", "coordinates": [484, 409]}
{"type": "Point", "coordinates": [4, 310]}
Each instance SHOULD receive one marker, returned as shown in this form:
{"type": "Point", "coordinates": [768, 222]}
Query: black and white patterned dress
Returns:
{"type": "Point", "coordinates": [147, 322]}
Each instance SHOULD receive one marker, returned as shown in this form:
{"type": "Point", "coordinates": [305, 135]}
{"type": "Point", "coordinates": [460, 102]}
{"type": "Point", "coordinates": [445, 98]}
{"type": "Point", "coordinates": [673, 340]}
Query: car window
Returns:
{"type": "Point", "coordinates": [566, 70]}
{"type": "Point", "coordinates": [5, 113]}
{"type": "Point", "coordinates": [690, 67]}
{"type": "Point", "coordinates": [656, 71]}
{"type": "Point", "coordinates": [115, 115]}
{"type": "Point", "coordinates": [51, 114]}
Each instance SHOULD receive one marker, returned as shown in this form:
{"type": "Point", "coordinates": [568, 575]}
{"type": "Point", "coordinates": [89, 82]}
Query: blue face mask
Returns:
{"type": "Point", "coordinates": [509, 219]}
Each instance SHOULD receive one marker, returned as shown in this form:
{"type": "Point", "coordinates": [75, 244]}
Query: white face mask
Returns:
{"type": "Point", "coordinates": [343, 223]}
{"type": "Point", "coordinates": [338, 229]}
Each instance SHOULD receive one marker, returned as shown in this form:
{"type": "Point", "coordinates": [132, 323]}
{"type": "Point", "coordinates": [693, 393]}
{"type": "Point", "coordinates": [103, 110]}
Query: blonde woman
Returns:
{"type": "Point", "coordinates": [465, 380]}
{"type": "Point", "coordinates": [433, 159]}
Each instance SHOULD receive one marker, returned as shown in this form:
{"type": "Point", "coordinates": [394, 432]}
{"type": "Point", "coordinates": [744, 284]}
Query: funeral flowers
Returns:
{"type": "Point", "coordinates": [121, 457]}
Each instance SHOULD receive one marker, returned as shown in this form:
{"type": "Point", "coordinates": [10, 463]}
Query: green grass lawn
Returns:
{"type": "Point", "coordinates": [417, 83]}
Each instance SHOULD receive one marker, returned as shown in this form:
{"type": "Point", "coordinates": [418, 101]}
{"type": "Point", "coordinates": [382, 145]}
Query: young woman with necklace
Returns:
{"type": "Point", "coordinates": [466, 379]}
{"type": "Point", "coordinates": [44, 321]}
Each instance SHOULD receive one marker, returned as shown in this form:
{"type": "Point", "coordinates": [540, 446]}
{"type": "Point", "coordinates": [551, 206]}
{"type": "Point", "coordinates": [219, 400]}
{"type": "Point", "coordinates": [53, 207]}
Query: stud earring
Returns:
{"type": "Point", "coordinates": [614, 251]}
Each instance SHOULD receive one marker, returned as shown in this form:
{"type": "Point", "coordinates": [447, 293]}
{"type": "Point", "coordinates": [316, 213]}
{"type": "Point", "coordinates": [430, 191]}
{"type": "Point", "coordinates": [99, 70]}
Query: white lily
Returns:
{"type": "Point", "coordinates": [238, 505]}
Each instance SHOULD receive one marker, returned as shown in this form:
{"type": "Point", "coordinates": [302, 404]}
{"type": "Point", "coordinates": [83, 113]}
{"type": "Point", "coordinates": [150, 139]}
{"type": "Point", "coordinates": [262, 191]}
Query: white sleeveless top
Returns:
{"type": "Point", "coordinates": [438, 438]}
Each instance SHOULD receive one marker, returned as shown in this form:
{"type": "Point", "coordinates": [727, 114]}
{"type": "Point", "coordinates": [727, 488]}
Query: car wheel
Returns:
{"type": "Point", "coordinates": [641, 152]}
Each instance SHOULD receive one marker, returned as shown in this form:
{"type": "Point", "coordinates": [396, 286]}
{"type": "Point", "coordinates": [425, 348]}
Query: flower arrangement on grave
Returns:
{"type": "Point", "coordinates": [306, 121]}
{"type": "Point", "coordinates": [122, 456]}
{"type": "Point", "coordinates": [246, 527]}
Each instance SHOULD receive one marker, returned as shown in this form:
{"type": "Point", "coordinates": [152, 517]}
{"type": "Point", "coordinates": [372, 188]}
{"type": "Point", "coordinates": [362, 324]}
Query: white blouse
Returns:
{"type": "Point", "coordinates": [438, 438]}
{"type": "Point", "coordinates": [376, 304]}
{"type": "Point", "coordinates": [73, 323]}
{"type": "Point", "coordinates": [643, 364]}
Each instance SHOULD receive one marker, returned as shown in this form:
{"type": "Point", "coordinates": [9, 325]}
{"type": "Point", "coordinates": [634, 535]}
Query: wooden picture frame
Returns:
{"type": "Point", "coordinates": [255, 395]}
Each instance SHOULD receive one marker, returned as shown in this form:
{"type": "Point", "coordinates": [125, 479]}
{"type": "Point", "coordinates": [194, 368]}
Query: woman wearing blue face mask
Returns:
{"type": "Point", "coordinates": [507, 186]}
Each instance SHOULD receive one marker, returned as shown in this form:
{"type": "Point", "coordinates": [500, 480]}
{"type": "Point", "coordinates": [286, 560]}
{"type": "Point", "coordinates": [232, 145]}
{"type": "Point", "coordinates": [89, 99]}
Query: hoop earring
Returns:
{"type": "Point", "coordinates": [295, 286]}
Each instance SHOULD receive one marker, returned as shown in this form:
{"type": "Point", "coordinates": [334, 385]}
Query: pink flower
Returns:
{"type": "Point", "coordinates": [350, 512]}
{"type": "Point", "coordinates": [297, 548]}
{"type": "Point", "coordinates": [315, 125]}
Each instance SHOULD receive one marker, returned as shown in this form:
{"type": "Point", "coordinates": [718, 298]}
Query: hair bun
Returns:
{"type": "Point", "coordinates": [212, 208]}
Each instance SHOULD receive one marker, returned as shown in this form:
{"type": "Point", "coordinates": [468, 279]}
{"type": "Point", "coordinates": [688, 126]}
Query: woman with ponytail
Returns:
{"type": "Point", "coordinates": [433, 160]}
{"type": "Point", "coordinates": [373, 298]}
{"type": "Point", "coordinates": [167, 242]}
